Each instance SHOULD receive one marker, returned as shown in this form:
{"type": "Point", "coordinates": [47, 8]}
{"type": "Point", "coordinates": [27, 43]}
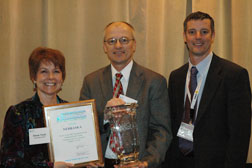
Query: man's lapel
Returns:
{"type": "Point", "coordinates": [212, 82]}
{"type": "Point", "coordinates": [180, 87]}
{"type": "Point", "coordinates": [135, 81]}
{"type": "Point", "coordinates": [106, 83]}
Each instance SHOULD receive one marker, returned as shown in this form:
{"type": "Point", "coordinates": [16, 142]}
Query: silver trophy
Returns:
{"type": "Point", "coordinates": [124, 137]}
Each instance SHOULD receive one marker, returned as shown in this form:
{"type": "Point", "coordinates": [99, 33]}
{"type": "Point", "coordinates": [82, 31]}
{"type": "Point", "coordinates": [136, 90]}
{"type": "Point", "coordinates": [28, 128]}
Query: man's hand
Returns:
{"type": "Point", "coordinates": [115, 102]}
{"type": "Point", "coordinates": [138, 164]}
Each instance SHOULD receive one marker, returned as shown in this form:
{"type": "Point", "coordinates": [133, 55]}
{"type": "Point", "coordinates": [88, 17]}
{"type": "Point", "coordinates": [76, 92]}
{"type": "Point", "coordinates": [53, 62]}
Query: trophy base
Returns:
{"type": "Point", "coordinates": [128, 159]}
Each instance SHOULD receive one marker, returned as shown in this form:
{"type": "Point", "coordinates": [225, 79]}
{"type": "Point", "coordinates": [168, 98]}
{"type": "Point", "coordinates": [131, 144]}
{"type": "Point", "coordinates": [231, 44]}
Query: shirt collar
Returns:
{"type": "Point", "coordinates": [202, 67]}
{"type": "Point", "coordinates": [125, 72]}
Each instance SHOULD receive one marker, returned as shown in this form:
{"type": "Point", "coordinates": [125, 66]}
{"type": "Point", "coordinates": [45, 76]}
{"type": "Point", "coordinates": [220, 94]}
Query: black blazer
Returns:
{"type": "Point", "coordinates": [222, 127]}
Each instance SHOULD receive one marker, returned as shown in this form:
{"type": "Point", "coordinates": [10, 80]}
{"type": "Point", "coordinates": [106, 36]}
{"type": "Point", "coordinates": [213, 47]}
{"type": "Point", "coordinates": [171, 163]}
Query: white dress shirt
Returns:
{"type": "Point", "coordinates": [124, 80]}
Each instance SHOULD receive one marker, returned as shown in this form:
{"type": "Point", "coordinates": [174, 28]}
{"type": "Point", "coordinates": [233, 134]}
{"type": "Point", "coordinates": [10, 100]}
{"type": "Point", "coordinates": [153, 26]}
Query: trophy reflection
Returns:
{"type": "Point", "coordinates": [124, 137]}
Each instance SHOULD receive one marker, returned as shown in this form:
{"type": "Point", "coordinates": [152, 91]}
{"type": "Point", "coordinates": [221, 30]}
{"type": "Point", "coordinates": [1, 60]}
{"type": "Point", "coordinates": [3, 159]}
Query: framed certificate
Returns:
{"type": "Point", "coordinates": [74, 132]}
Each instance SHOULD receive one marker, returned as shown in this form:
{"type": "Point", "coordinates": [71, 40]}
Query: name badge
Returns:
{"type": "Point", "coordinates": [39, 136]}
{"type": "Point", "coordinates": [186, 131]}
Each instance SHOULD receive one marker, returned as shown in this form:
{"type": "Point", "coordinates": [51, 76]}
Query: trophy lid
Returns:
{"type": "Point", "coordinates": [126, 105]}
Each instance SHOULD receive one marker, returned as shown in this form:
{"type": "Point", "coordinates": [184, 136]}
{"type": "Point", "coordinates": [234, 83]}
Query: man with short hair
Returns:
{"type": "Point", "coordinates": [141, 84]}
{"type": "Point", "coordinates": [210, 104]}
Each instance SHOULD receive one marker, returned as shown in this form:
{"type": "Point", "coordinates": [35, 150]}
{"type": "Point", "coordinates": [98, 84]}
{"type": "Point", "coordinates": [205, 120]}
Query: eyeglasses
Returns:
{"type": "Point", "coordinates": [122, 40]}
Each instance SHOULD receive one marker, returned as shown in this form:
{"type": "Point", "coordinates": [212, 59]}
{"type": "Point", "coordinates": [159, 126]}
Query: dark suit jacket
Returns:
{"type": "Point", "coordinates": [153, 113]}
{"type": "Point", "coordinates": [222, 128]}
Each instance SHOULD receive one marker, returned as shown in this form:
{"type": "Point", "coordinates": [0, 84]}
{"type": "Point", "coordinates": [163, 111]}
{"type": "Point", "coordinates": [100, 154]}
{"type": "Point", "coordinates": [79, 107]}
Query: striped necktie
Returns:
{"type": "Point", "coordinates": [118, 89]}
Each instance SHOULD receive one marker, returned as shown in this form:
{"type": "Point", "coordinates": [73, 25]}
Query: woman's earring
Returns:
{"type": "Point", "coordinates": [34, 86]}
{"type": "Point", "coordinates": [61, 87]}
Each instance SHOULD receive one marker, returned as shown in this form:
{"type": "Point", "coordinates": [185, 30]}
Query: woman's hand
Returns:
{"type": "Point", "coordinates": [62, 165]}
{"type": "Point", "coordinates": [94, 165]}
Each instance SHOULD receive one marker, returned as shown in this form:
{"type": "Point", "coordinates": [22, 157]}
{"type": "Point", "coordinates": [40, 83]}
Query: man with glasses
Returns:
{"type": "Point", "coordinates": [140, 84]}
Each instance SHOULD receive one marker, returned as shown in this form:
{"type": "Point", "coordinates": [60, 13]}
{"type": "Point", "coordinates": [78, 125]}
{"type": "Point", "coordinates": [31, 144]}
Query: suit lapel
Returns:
{"type": "Point", "coordinates": [135, 81]}
{"type": "Point", "coordinates": [212, 82]}
{"type": "Point", "coordinates": [180, 88]}
{"type": "Point", "coordinates": [134, 85]}
{"type": "Point", "coordinates": [106, 83]}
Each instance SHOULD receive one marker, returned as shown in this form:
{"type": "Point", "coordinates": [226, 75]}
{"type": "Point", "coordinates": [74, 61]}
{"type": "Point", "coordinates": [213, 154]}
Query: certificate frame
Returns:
{"type": "Point", "coordinates": [74, 126]}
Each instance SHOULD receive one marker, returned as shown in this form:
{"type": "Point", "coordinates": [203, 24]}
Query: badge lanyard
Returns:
{"type": "Point", "coordinates": [196, 92]}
